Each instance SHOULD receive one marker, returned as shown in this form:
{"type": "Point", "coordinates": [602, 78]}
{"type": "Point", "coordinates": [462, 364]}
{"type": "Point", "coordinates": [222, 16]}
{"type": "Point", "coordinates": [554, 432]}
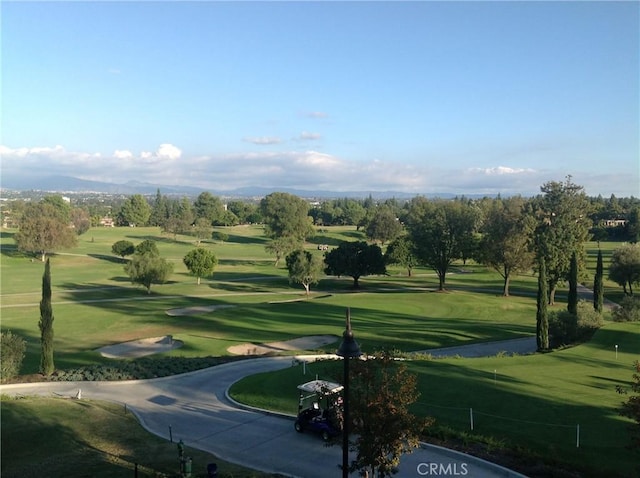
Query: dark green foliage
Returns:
{"type": "Point", "coordinates": [12, 350]}
{"type": "Point", "coordinates": [629, 310]}
{"type": "Point", "coordinates": [148, 269]}
{"type": "Point", "coordinates": [566, 328]}
{"type": "Point", "coordinates": [400, 251]}
{"type": "Point", "coordinates": [355, 259]}
{"type": "Point", "coordinates": [200, 262]}
{"type": "Point", "coordinates": [123, 248]}
{"type": "Point", "coordinates": [135, 211]}
{"type": "Point", "coordinates": [383, 226]}
{"type": "Point", "coordinates": [140, 369]}
{"type": "Point", "coordinates": [43, 229]}
{"type": "Point", "coordinates": [631, 407]}
{"type": "Point", "coordinates": [572, 302]}
{"type": "Point", "coordinates": [46, 324]}
{"type": "Point", "coordinates": [382, 390]}
{"type": "Point", "coordinates": [286, 215]}
{"type": "Point", "coordinates": [304, 268]}
{"type": "Point", "coordinates": [563, 228]}
{"type": "Point", "coordinates": [598, 285]}
{"type": "Point", "coordinates": [625, 266]}
{"type": "Point", "coordinates": [147, 247]}
{"type": "Point", "coordinates": [542, 320]}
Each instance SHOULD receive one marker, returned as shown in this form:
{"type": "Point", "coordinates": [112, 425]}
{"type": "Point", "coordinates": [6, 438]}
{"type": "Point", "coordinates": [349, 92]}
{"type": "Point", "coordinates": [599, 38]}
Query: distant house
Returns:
{"type": "Point", "coordinates": [614, 222]}
{"type": "Point", "coordinates": [107, 222]}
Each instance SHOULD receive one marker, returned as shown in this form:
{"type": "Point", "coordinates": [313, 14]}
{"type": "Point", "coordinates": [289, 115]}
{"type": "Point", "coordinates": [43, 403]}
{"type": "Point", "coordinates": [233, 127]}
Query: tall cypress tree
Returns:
{"type": "Point", "coordinates": [46, 324]}
{"type": "Point", "coordinates": [598, 287]}
{"type": "Point", "coordinates": [542, 320]}
{"type": "Point", "coordinates": [572, 302]}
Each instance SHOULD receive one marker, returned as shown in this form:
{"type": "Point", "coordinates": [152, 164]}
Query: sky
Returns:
{"type": "Point", "coordinates": [418, 97]}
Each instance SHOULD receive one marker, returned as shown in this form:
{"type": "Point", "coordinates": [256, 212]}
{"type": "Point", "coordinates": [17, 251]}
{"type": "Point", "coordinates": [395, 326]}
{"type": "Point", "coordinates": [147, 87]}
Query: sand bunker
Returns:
{"type": "Point", "coordinates": [140, 348]}
{"type": "Point", "coordinates": [303, 343]}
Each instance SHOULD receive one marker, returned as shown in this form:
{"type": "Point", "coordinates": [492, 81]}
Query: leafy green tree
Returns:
{"type": "Point", "coordinates": [286, 215]}
{"type": "Point", "coordinates": [147, 247]}
{"type": "Point", "coordinates": [61, 205]}
{"type": "Point", "coordinates": [12, 351]}
{"type": "Point", "coordinates": [43, 229]}
{"type": "Point", "coordinates": [355, 259]}
{"type": "Point", "coordinates": [598, 285]}
{"type": "Point", "coordinates": [400, 251]}
{"type": "Point", "coordinates": [563, 228]}
{"type": "Point", "coordinates": [148, 269]}
{"type": "Point", "coordinates": [123, 248]}
{"type": "Point", "coordinates": [633, 225]}
{"type": "Point", "coordinates": [200, 262]}
{"type": "Point", "coordinates": [507, 237]}
{"type": "Point", "coordinates": [438, 230]}
{"type": "Point", "coordinates": [624, 268]}
{"type": "Point", "coordinates": [383, 226]}
{"type": "Point", "coordinates": [304, 268]}
{"type": "Point", "coordinates": [542, 318]}
{"type": "Point", "coordinates": [202, 229]}
{"type": "Point", "coordinates": [209, 207]}
{"type": "Point", "coordinates": [246, 212]}
{"type": "Point", "coordinates": [281, 246]}
{"type": "Point", "coordinates": [382, 392]}
{"type": "Point", "coordinates": [572, 302]}
{"type": "Point", "coordinates": [135, 211]}
{"type": "Point", "coordinates": [631, 407]}
{"type": "Point", "coordinates": [45, 324]}
{"type": "Point", "coordinates": [180, 219]}
{"type": "Point", "coordinates": [160, 211]}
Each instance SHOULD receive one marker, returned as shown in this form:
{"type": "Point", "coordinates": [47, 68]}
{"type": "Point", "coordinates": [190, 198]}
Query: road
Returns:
{"type": "Point", "coordinates": [195, 408]}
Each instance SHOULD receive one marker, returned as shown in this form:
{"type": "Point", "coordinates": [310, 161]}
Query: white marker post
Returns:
{"type": "Point", "coordinates": [616, 351]}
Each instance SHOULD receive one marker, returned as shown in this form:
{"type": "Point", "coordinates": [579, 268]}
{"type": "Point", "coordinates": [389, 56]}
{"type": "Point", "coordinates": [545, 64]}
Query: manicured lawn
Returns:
{"type": "Point", "coordinates": [535, 401]}
{"type": "Point", "coordinates": [71, 438]}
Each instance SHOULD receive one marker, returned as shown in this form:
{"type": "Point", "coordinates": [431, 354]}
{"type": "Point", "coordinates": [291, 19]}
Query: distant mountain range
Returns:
{"type": "Point", "coordinates": [68, 184]}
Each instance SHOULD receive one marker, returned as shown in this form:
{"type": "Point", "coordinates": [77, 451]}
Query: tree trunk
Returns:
{"type": "Point", "coordinates": [306, 288]}
{"type": "Point", "coordinates": [552, 294]}
{"type": "Point", "coordinates": [198, 280]}
{"type": "Point", "coordinates": [356, 284]}
{"type": "Point", "coordinates": [505, 290]}
{"type": "Point", "coordinates": [441, 277]}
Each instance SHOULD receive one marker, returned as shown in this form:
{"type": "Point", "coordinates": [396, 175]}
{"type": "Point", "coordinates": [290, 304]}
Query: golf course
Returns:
{"type": "Point", "coordinates": [559, 407]}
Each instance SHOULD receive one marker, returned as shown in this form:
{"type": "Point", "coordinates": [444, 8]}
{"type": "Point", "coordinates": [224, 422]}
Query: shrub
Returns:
{"type": "Point", "coordinates": [629, 310]}
{"type": "Point", "coordinates": [12, 350]}
{"type": "Point", "coordinates": [566, 328]}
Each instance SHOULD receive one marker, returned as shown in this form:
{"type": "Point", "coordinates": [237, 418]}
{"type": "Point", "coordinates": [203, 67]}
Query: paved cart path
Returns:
{"type": "Point", "coordinates": [195, 407]}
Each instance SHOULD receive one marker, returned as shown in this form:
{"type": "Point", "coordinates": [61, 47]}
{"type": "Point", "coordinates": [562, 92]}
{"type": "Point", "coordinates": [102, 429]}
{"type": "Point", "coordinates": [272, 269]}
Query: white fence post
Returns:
{"type": "Point", "coordinates": [471, 417]}
{"type": "Point", "coordinates": [578, 436]}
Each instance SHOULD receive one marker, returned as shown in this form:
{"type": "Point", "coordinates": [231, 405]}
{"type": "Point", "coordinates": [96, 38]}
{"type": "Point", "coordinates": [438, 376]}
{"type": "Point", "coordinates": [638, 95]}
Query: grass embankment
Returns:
{"type": "Point", "coordinates": [83, 438]}
{"type": "Point", "coordinates": [94, 304]}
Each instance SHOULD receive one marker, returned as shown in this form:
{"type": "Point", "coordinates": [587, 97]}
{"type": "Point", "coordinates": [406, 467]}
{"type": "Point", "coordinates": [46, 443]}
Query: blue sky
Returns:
{"type": "Point", "coordinates": [419, 97]}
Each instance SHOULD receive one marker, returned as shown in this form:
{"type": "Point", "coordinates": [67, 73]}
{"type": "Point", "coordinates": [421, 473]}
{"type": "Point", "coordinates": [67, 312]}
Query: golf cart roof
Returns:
{"type": "Point", "coordinates": [320, 386]}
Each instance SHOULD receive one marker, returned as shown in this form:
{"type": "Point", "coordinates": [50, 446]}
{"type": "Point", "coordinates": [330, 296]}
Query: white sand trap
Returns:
{"type": "Point", "coordinates": [201, 309]}
{"type": "Point", "coordinates": [311, 342]}
{"type": "Point", "coordinates": [140, 348]}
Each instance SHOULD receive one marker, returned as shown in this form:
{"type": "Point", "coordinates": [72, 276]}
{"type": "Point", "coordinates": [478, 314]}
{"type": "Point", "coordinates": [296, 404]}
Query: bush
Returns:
{"type": "Point", "coordinates": [12, 350]}
{"type": "Point", "coordinates": [629, 310]}
{"type": "Point", "coordinates": [566, 328]}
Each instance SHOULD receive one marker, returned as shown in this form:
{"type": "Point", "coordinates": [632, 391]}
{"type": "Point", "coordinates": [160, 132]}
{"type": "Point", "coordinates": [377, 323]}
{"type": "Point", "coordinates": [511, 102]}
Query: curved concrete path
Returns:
{"type": "Point", "coordinates": [195, 407]}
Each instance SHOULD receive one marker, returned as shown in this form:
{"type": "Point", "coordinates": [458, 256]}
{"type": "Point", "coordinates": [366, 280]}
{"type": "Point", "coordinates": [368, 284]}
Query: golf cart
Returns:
{"type": "Point", "coordinates": [320, 408]}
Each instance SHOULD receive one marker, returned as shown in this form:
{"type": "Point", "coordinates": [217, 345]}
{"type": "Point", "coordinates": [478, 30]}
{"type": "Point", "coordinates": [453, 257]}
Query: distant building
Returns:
{"type": "Point", "coordinates": [107, 222]}
{"type": "Point", "coordinates": [614, 222]}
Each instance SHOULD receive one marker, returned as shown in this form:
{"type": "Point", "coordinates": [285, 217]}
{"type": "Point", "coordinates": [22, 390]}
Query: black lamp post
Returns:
{"type": "Point", "coordinates": [348, 349]}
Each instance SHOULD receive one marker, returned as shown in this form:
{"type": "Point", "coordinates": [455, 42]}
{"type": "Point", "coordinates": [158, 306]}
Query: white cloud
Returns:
{"type": "Point", "coordinates": [122, 154]}
{"type": "Point", "coordinates": [307, 169]}
{"type": "Point", "coordinates": [169, 151]}
{"type": "Point", "coordinates": [263, 140]}
{"type": "Point", "coordinates": [307, 136]}
{"type": "Point", "coordinates": [316, 115]}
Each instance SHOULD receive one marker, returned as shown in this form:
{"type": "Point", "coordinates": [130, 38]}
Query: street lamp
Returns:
{"type": "Point", "coordinates": [348, 349]}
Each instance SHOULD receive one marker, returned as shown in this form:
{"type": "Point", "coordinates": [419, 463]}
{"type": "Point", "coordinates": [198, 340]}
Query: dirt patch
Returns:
{"type": "Point", "coordinates": [141, 347]}
{"type": "Point", "coordinates": [311, 342]}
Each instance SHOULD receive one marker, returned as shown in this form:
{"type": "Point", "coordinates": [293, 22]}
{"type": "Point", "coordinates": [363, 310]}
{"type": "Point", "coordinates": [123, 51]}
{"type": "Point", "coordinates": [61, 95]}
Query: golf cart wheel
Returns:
{"type": "Point", "coordinates": [298, 426]}
{"type": "Point", "coordinates": [326, 436]}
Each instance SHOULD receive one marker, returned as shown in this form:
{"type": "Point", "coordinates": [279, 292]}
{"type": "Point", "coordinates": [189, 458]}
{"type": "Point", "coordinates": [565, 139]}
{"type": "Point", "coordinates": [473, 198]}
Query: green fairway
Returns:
{"type": "Point", "coordinates": [534, 401]}
{"type": "Point", "coordinates": [547, 403]}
